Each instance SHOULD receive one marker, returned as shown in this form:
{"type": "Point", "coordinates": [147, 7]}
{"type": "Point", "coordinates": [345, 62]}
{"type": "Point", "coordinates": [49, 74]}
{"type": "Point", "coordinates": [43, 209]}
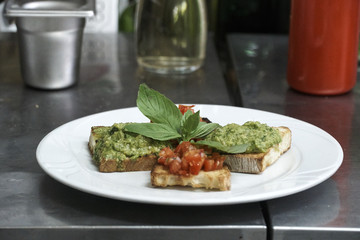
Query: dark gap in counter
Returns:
{"type": "Point", "coordinates": [266, 214]}
{"type": "Point", "coordinates": [228, 70]}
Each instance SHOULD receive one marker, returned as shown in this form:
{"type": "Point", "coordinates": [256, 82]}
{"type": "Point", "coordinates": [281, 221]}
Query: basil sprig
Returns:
{"type": "Point", "coordinates": [168, 123]}
{"type": "Point", "coordinates": [228, 149]}
{"type": "Point", "coordinates": [158, 108]}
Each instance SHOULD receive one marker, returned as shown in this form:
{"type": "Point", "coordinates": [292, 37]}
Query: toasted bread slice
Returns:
{"type": "Point", "coordinates": [258, 162]}
{"type": "Point", "coordinates": [144, 163]}
{"type": "Point", "coordinates": [217, 179]}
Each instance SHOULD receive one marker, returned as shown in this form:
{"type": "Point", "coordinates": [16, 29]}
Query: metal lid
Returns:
{"type": "Point", "coordinates": [50, 8]}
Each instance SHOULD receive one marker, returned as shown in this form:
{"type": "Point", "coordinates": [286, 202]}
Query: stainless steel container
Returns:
{"type": "Point", "coordinates": [50, 39]}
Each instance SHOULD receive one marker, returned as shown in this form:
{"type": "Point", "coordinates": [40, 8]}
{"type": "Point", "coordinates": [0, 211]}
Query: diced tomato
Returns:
{"type": "Point", "coordinates": [174, 166]}
{"type": "Point", "coordinates": [217, 165]}
{"type": "Point", "coordinates": [214, 162]}
{"type": "Point", "coordinates": [183, 147]}
{"type": "Point", "coordinates": [165, 154]}
{"type": "Point", "coordinates": [162, 160]}
{"type": "Point", "coordinates": [184, 108]}
{"type": "Point", "coordinates": [196, 159]}
{"type": "Point", "coordinates": [188, 159]}
{"type": "Point", "coordinates": [195, 169]}
{"type": "Point", "coordinates": [219, 160]}
{"type": "Point", "coordinates": [184, 165]}
{"type": "Point", "coordinates": [208, 165]}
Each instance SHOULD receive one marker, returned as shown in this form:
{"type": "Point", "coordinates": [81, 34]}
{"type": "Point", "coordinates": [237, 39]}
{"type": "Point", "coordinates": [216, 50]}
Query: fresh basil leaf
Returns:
{"type": "Point", "coordinates": [233, 149]}
{"type": "Point", "coordinates": [157, 131]}
{"type": "Point", "coordinates": [204, 129]}
{"type": "Point", "coordinates": [190, 124]}
{"type": "Point", "coordinates": [184, 118]}
{"type": "Point", "coordinates": [158, 108]}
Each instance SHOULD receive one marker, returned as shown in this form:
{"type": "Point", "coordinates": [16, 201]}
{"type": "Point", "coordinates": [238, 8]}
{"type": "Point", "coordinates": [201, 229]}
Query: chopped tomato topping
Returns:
{"type": "Point", "coordinates": [184, 108]}
{"type": "Point", "coordinates": [174, 166]}
{"type": "Point", "coordinates": [188, 159]}
{"type": "Point", "coordinates": [165, 154]}
{"type": "Point", "coordinates": [214, 162]}
{"type": "Point", "coordinates": [184, 147]}
{"type": "Point", "coordinates": [195, 159]}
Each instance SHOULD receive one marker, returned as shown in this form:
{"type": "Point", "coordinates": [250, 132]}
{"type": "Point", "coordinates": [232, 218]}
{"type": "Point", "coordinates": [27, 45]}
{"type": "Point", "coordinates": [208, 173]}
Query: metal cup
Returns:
{"type": "Point", "coordinates": [50, 39]}
{"type": "Point", "coordinates": [50, 51]}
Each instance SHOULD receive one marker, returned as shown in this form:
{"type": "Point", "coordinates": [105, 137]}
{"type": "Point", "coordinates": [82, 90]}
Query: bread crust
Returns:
{"type": "Point", "coordinates": [144, 163]}
{"type": "Point", "coordinates": [215, 180]}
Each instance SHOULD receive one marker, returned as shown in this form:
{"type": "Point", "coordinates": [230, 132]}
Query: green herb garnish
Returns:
{"type": "Point", "coordinates": [167, 122]}
{"type": "Point", "coordinates": [232, 149]}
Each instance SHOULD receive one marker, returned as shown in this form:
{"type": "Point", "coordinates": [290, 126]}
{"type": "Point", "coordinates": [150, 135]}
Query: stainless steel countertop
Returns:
{"type": "Point", "coordinates": [331, 209]}
{"type": "Point", "coordinates": [34, 206]}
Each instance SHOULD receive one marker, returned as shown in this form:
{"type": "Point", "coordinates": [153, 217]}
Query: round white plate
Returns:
{"type": "Point", "coordinates": [314, 156]}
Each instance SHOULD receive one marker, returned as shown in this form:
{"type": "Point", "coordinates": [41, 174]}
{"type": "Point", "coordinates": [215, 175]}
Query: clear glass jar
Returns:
{"type": "Point", "coordinates": [171, 35]}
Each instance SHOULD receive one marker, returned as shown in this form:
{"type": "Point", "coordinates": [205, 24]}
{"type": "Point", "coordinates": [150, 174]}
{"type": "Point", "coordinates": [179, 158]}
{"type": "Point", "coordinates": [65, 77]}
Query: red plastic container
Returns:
{"type": "Point", "coordinates": [323, 46]}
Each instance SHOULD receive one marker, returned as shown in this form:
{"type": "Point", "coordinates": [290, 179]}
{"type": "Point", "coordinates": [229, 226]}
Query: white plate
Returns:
{"type": "Point", "coordinates": [314, 156]}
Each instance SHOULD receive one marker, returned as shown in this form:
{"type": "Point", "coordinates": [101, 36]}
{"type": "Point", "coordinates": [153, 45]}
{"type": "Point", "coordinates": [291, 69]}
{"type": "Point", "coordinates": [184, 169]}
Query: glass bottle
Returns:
{"type": "Point", "coordinates": [171, 35]}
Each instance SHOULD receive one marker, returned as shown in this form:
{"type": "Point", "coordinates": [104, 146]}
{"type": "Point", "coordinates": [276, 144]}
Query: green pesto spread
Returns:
{"type": "Point", "coordinates": [114, 143]}
{"type": "Point", "coordinates": [260, 137]}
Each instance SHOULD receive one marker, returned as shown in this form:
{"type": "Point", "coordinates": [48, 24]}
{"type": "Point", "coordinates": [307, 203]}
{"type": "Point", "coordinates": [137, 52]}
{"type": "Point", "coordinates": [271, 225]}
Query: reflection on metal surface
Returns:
{"type": "Point", "coordinates": [252, 49]}
{"type": "Point", "coordinates": [335, 115]}
{"type": "Point", "coordinates": [23, 188]}
{"type": "Point", "coordinates": [100, 60]}
{"type": "Point", "coordinates": [324, 198]}
{"type": "Point", "coordinates": [255, 61]}
{"type": "Point", "coordinates": [106, 17]}
{"type": "Point", "coordinates": [179, 87]}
